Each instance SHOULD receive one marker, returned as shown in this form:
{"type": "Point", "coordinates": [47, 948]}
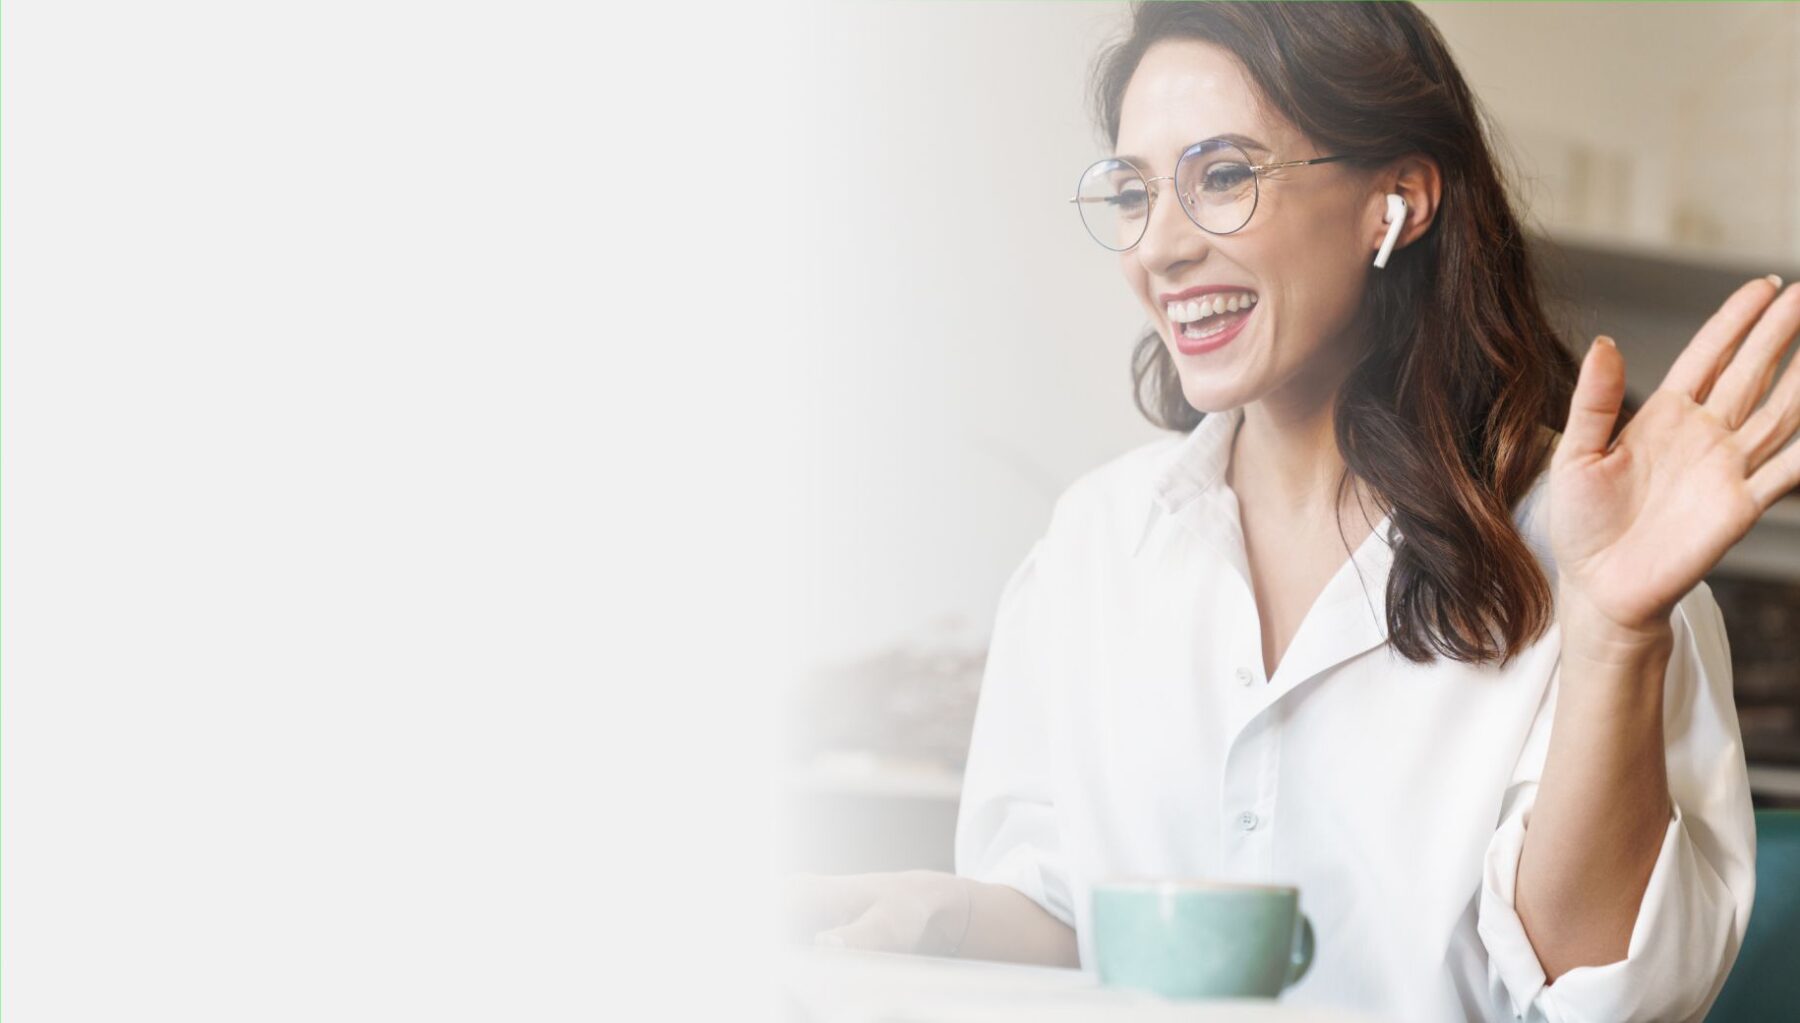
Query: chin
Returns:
{"type": "Point", "coordinates": [1217, 390]}
{"type": "Point", "coordinates": [1209, 392]}
{"type": "Point", "coordinates": [1210, 397]}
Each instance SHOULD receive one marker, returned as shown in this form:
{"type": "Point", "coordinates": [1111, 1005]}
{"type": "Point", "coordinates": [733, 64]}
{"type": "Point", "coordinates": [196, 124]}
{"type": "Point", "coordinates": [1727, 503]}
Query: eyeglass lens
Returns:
{"type": "Point", "coordinates": [1213, 180]}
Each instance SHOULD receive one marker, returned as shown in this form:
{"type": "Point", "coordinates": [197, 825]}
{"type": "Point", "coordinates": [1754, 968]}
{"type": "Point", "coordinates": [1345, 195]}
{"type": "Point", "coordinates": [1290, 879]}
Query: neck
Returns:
{"type": "Point", "coordinates": [1285, 462]}
{"type": "Point", "coordinates": [1286, 458]}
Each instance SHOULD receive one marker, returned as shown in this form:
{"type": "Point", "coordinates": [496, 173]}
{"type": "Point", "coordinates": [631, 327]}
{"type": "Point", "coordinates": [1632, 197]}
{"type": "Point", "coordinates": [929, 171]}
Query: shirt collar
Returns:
{"type": "Point", "coordinates": [1192, 466]}
{"type": "Point", "coordinates": [1349, 616]}
{"type": "Point", "coordinates": [1195, 465]}
{"type": "Point", "coordinates": [1198, 461]}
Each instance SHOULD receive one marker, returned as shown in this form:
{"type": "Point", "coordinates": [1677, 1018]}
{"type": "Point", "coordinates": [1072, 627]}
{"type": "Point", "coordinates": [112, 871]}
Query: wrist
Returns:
{"type": "Point", "coordinates": [948, 907]}
{"type": "Point", "coordinates": [1592, 637]}
{"type": "Point", "coordinates": [957, 915]}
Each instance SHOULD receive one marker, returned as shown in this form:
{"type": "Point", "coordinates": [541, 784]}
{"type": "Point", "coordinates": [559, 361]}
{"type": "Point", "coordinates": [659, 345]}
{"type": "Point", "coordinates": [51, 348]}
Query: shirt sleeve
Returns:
{"type": "Point", "coordinates": [1006, 828]}
{"type": "Point", "coordinates": [1696, 907]}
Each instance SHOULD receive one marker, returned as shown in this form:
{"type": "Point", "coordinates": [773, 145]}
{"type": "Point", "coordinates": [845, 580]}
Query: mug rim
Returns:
{"type": "Point", "coordinates": [1138, 882]}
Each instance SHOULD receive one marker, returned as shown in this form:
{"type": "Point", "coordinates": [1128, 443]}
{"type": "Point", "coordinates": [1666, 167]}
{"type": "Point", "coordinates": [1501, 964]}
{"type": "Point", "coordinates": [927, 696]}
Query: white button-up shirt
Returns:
{"type": "Point", "coordinates": [1126, 726]}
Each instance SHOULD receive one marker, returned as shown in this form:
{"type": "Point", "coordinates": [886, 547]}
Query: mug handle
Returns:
{"type": "Point", "coordinates": [1303, 952]}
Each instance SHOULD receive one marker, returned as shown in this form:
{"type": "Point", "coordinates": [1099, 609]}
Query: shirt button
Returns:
{"type": "Point", "coordinates": [1247, 820]}
{"type": "Point", "coordinates": [1243, 676]}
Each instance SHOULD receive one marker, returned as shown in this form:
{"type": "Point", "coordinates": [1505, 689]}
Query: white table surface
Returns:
{"type": "Point", "coordinates": [825, 985]}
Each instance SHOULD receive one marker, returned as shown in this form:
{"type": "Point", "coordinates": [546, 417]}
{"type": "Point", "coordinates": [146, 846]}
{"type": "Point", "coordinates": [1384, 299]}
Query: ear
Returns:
{"type": "Point", "coordinates": [1416, 179]}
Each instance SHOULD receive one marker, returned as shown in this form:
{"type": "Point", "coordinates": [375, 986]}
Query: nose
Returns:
{"type": "Point", "coordinates": [1170, 236]}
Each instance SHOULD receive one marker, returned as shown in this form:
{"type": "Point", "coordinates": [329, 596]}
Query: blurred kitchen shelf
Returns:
{"type": "Point", "coordinates": [1785, 511]}
{"type": "Point", "coordinates": [1772, 548]}
{"type": "Point", "coordinates": [1775, 780]}
{"type": "Point", "coordinates": [1659, 276]}
{"type": "Point", "coordinates": [859, 773]}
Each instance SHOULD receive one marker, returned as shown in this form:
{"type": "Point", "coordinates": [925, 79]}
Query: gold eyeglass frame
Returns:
{"type": "Point", "coordinates": [1257, 171]}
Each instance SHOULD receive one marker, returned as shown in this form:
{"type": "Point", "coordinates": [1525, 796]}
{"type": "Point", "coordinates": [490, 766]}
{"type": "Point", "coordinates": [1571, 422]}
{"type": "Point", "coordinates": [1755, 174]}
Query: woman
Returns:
{"type": "Point", "coordinates": [1397, 618]}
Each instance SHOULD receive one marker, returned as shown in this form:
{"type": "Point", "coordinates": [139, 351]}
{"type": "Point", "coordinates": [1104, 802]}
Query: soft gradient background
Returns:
{"type": "Point", "coordinates": [399, 442]}
{"type": "Point", "coordinates": [433, 438]}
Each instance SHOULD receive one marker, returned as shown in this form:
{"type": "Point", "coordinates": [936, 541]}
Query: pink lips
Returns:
{"type": "Point", "coordinates": [1189, 346]}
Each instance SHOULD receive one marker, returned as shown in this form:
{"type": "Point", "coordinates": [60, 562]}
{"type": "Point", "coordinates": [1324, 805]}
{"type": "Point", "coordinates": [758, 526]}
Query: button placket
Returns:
{"type": "Point", "coordinates": [1243, 827]}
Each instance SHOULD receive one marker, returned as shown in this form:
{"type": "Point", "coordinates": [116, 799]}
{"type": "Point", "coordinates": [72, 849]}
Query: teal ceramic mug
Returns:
{"type": "Point", "coordinates": [1200, 939]}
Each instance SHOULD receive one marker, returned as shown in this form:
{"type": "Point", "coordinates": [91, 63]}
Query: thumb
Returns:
{"type": "Point", "coordinates": [1599, 392]}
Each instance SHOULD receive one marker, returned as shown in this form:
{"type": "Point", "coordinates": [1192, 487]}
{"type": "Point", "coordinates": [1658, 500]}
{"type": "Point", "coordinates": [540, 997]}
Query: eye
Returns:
{"type": "Point", "coordinates": [1128, 201]}
{"type": "Point", "coordinates": [1225, 177]}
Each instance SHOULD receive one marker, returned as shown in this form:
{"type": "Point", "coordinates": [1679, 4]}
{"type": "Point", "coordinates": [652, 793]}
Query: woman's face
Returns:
{"type": "Point", "coordinates": [1304, 255]}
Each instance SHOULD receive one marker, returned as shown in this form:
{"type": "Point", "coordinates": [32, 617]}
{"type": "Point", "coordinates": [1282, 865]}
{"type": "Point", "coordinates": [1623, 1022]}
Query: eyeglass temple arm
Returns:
{"type": "Point", "coordinates": [1294, 163]}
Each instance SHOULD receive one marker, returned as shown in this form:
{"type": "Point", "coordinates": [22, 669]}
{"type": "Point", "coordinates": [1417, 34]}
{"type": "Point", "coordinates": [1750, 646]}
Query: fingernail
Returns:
{"type": "Point", "coordinates": [1607, 341]}
{"type": "Point", "coordinates": [828, 941]}
{"type": "Point", "coordinates": [1773, 279]}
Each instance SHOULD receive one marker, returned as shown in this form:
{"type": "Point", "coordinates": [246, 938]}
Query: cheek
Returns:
{"type": "Point", "coordinates": [1322, 281]}
{"type": "Point", "coordinates": [1138, 283]}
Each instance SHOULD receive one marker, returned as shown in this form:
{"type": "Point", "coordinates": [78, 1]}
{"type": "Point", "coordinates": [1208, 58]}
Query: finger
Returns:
{"type": "Point", "coordinates": [1777, 477]}
{"type": "Point", "coordinates": [1747, 378]}
{"type": "Point", "coordinates": [815, 901]}
{"type": "Point", "coordinates": [1701, 362]}
{"type": "Point", "coordinates": [1599, 392]}
{"type": "Point", "coordinates": [873, 931]}
{"type": "Point", "coordinates": [1775, 423]}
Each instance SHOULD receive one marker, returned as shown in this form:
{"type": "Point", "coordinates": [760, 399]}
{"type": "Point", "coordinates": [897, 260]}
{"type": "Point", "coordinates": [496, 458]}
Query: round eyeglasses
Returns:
{"type": "Point", "coordinates": [1214, 179]}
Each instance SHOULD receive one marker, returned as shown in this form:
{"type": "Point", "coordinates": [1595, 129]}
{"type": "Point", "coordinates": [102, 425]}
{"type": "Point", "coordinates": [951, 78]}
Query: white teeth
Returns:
{"type": "Point", "coordinates": [1198, 331]}
{"type": "Point", "coordinates": [1194, 310]}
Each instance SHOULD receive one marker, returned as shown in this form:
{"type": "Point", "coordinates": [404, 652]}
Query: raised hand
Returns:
{"type": "Point", "coordinates": [1635, 525]}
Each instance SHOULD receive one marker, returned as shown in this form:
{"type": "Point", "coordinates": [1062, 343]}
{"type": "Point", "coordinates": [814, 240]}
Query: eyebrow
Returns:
{"type": "Point", "coordinates": [1242, 140]}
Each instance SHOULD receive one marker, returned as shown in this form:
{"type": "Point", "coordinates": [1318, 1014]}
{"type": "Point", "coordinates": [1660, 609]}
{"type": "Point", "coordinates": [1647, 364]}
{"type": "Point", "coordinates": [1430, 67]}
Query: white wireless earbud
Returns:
{"type": "Point", "coordinates": [1396, 219]}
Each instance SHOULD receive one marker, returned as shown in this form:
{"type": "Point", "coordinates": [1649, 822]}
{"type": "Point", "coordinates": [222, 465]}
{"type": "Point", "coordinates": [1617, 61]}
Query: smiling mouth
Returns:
{"type": "Point", "coordinates": [1211, 316]}
{"type": "Point", "coordinates": [1212, 326]}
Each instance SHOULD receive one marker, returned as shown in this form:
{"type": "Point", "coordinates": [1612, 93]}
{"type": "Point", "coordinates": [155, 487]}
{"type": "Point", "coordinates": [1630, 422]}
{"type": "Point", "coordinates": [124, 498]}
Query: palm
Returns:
{"type": "Point", "coordinates": [1637, 524]}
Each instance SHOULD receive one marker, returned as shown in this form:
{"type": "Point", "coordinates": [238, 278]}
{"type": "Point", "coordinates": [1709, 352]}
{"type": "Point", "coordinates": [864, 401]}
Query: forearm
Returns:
{"type": "Point", "coordinates": [1603, 803]}
{"type": "Point", "coordinates": [1001, 923]}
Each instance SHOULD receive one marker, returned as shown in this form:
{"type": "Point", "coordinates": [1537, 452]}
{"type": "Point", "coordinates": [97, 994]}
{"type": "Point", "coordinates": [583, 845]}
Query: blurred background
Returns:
{"type": "Point", "coordinates": [969, 356]}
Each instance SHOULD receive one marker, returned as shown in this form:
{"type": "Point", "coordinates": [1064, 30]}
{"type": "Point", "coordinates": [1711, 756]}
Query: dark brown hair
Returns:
{"type": "Point", "coordinates": [1441, 415]}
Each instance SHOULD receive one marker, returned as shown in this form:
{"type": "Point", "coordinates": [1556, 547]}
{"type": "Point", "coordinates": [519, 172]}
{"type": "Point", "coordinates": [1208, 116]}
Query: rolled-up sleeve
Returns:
{"type": "Point", "coordinates": [1006, 826]}
{"type": "Point", "coordinates": [1696, 906]}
